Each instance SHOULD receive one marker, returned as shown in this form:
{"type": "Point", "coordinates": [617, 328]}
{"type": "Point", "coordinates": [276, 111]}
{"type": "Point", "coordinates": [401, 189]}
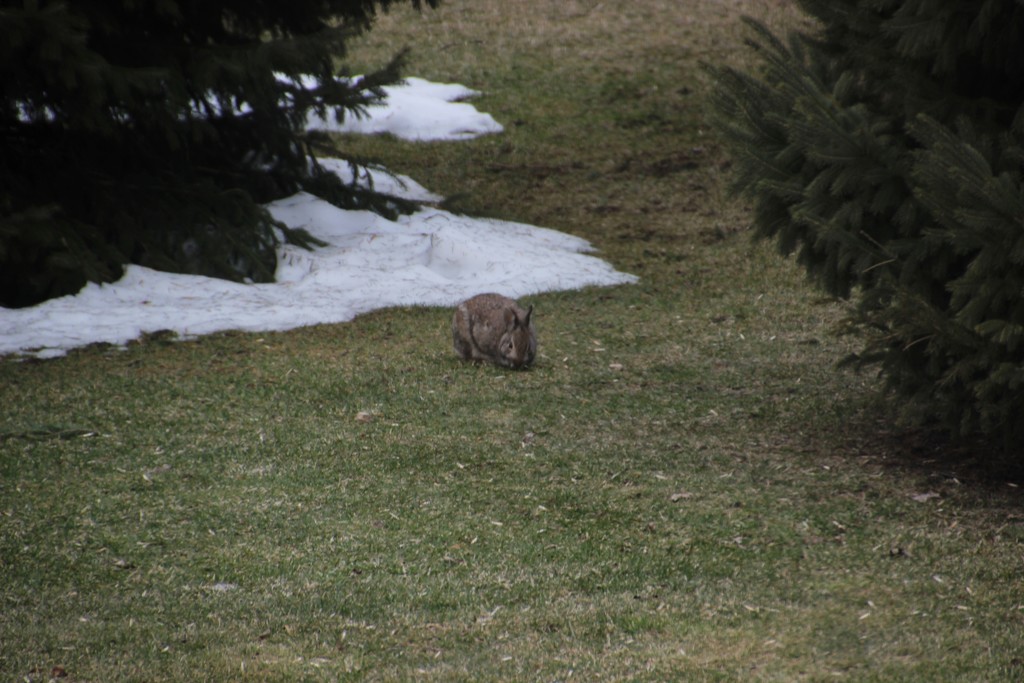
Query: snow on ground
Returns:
{"type": "Point", "coordinates": [419, 110]}
{"type": "Point", "coordinates": [431, 257]}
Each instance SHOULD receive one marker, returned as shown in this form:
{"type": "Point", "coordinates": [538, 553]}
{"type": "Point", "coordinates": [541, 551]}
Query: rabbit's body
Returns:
{"type": "Point", "coordinates": [496, 329]}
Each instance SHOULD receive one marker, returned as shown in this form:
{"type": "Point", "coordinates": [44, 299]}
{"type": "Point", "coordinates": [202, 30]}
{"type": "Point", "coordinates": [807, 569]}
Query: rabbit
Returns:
{"type": "Point", "coordinates": [494, 328]}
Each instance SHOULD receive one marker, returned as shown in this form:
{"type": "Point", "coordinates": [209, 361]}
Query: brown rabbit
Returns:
{"type": "Point", "coordinates": [496, 329]}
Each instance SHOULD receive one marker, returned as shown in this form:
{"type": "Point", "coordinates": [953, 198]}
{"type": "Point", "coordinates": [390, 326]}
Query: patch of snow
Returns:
{"type": "Point", "coordinates": [418, 110]}
{"type": "Point", "coordinates": [396, 185]}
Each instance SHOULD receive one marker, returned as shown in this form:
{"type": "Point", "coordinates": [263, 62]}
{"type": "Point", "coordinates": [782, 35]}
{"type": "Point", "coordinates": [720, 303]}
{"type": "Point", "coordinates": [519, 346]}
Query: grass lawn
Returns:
{"type": "Point", "coordinates": [684, 487]}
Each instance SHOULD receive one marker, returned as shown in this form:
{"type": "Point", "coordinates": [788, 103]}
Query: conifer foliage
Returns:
{"type": "Point", "coordinates": [150, 131]}
{"type": "Point", "coordinates": [884, 145]}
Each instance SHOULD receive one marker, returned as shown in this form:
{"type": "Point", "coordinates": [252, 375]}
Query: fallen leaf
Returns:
{"type": "Point", "coordinates": [486, 617]}
{"type": "Point", "coordinates": [682, 495]}
{"type": "Point", "coordinates": [924, 497]}
{"type": "Point", "coordinates": [150, 473]}
{"type": "Point", "coordinates": [364, 416]}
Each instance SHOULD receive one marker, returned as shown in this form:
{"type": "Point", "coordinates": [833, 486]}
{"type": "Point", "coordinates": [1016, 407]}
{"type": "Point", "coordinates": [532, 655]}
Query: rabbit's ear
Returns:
{"type": "Point", "coordinates": [511, 321]}
{"type": "Point", "coordinates": [526, 320]}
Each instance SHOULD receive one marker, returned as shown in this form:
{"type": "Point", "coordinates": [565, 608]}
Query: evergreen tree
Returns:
{"type": "Point", "coordinates": [886, 148]}
{"type": "Point", "coordinates": [150, 132]}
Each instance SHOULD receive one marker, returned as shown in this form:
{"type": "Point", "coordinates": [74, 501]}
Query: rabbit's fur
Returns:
{"type": "Point", "coordinates": [494, 328]}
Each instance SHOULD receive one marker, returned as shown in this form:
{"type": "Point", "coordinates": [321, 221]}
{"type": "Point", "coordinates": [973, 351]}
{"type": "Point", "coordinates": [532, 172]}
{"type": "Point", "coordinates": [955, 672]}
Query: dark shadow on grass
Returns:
{"type": "Point", "coordinates": [929, 457]}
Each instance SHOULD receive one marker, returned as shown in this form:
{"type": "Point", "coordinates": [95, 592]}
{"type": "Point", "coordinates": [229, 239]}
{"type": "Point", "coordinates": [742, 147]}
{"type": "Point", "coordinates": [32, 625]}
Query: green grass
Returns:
{"type": "Point", "coordinates": [683, 488]}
